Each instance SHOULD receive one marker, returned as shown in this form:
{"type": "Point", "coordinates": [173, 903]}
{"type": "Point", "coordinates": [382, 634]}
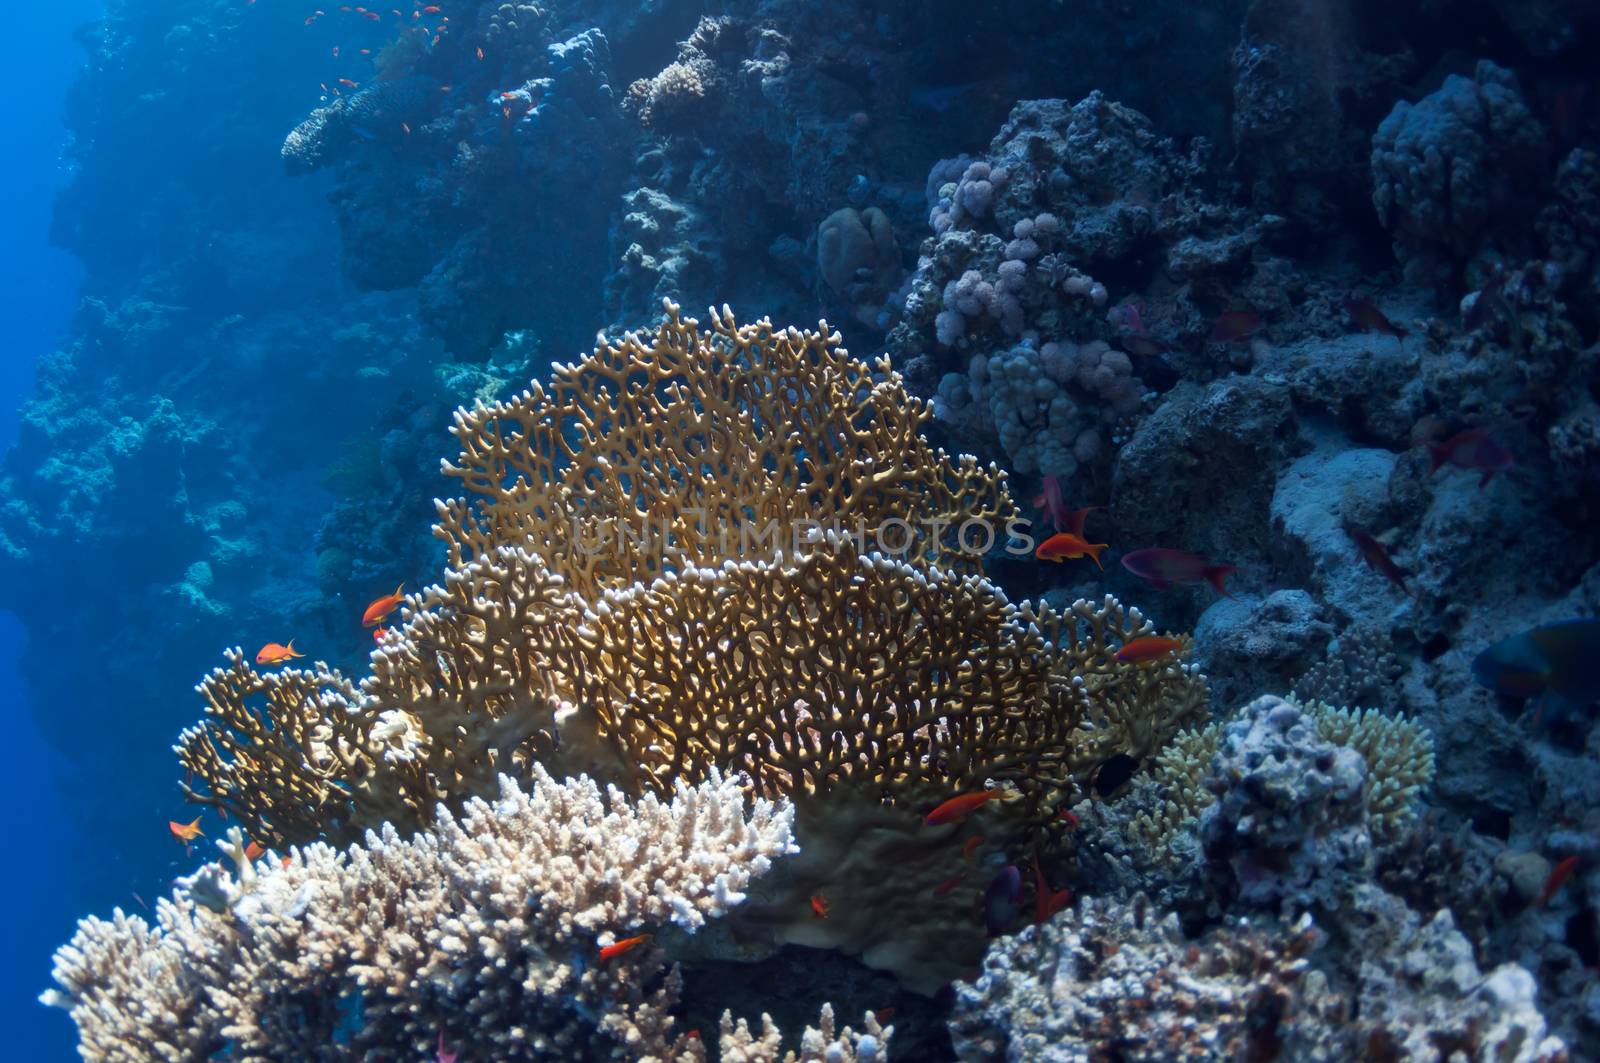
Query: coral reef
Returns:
{"type": "Point", "coordinates": [683, 647]}
{"type": "Point", "coordinates": [480, 931]}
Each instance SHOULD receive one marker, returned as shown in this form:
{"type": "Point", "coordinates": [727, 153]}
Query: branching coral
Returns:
{"type": "Point", "coordinates": [858, 684]}
{"type": "Point", "coordinates": [483, 928]}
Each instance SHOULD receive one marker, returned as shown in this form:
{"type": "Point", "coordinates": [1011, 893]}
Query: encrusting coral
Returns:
{"type": "Point", "coordinates": [858, 684]}
{"type": "Point", "coordinates": [483, 928]}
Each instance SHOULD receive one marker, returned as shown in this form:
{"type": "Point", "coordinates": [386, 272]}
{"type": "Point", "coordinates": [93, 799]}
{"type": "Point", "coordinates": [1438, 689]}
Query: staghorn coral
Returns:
{"type": "Point", "coordinates": [480, 928]}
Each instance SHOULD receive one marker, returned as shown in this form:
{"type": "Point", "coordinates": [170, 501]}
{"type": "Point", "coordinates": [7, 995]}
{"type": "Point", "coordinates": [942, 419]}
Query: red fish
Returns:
{"type": "Point", "coordinates": [378, 633]}
{"type": "Point", "coordinates": [948, 884]}
{"type": "Point", "coordinates": [819, 906]}
{"type": "Point", "coordinates": [1558, 878]}
{"type": "Point", "coordinates": [959, 807]}
{"type": "Point", "coordinates": [1163, 567]}
{"type": "Point", "coordinates": [254, 851]}
{"type": "Point", "coordinates": [347, 83]}
{"type": "Point", "coordinates": [382, 607]}
{"type": "Point", "coordinates": [1235, 325]}
{"type": "Point", "coordinates": [1376, 555]}
{"type": "Point", "coordinates": [1067, 816]}
{"type": "Point", "coordinates": [882, 1015]}
{"type": "Point", "coordinates": [1064, 545]}
{"type": "Point", "coordinates": [1368, 318]}
{"type": "Point", "coordinates": [1148, 648]}
{"type": "Point", "coordinates": [970, 847]}
{"type": "Point", "coordinates": [272, 653]}
{"type": "Point", "coordinates": [623, 947]}
{"type": "Point", "coordinates": [1046, 901]}
{"type": "Point", "coordinates": [1472, 449]}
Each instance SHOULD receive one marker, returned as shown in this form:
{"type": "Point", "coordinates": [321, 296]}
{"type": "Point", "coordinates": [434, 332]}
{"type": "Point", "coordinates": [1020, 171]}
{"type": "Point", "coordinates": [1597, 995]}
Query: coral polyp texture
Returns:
{"type": "Point", "coordinates": [485, 929]}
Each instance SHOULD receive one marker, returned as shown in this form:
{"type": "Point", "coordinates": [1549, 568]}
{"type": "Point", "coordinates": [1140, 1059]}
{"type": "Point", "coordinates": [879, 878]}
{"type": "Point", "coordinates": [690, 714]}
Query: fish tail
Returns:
{"type": "Point", "coordinates": [1215, 575]}
{"type": "Point", "coordinates": [1093, 550]}
{"type": "Point", "coordinates": [1437, 456]}
{"type": "Point", "coordinates": [401, 589]}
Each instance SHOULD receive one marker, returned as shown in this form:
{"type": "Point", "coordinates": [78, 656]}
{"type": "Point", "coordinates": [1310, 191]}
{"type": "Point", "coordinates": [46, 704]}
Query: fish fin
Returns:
{"type": "Point", "coordinates": [400, 590]}
{"type": "Point", "coordinates": [1215, 575]}
{"type": "Point", "coordinates": [1437, 456]}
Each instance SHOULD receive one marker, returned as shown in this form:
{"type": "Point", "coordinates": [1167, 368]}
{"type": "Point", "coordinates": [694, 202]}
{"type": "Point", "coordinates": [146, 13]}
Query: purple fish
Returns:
{"type": "Point", "coordinates": [1473, 449]}
{"type": "Point", "coordinates": [1164, 567]}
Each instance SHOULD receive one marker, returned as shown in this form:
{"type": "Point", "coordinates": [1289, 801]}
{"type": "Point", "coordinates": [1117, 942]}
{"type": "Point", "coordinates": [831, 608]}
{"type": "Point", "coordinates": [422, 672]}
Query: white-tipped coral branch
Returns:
{"type": "Point", "coordinates": [486, 929]}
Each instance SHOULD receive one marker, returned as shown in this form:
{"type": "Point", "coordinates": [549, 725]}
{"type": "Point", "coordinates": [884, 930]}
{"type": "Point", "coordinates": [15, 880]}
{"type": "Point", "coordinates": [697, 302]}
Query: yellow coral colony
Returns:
{"type": "Point", "coordinates": [627, 597]}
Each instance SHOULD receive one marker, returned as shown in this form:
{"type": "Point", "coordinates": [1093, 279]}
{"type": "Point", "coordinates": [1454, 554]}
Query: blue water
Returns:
{"type": "Point", "coordinates": [37, 293]}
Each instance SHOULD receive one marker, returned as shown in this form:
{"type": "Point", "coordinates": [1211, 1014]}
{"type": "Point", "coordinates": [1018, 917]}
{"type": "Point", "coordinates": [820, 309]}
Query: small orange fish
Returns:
{"type": "Point", "coordinates": [347, 83]}
{"type": "Point", "coordinates": [819, 906]}
{"type": "Point", "coordinates": [970, 847]}
{"type": "Point", "coordinates": [1064, 545]}
{"type": "Point", "coordinates": [882, 1015]}
{"type": "Point", "coordinates": [1558, 878]}
{"type": "Point", "coordinates": [1046, 902]}
{"type": "Point", "coordinates": [1376, 555]}
{"type": "Point", "coordinates": [382, 607]}
{"type": "Point", "coordinates": [254, 851]}
{"type": "Point", "coordinates": [480, 54]}
{"type": "Point", "coordinates": [620, 948]}
{"type": "Point", "coordinates": [272, 653]}
{"type": "Point", "coordinates": [948, 884]}
{"type": "Point", "coordinates": [285, 862]}
{"type": "Point", "coordinates": [185, 832]}
{"type": "Point", "coordinates": [1066, 816]}
{"type": "Point", "coordinates": [1148, 648]}
{"type": "Point", "coordinates": [959, 807]}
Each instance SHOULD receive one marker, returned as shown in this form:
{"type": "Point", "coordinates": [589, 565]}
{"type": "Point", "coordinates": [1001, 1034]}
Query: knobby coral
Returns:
{"type": "Point", "coordinates": [483, 928]}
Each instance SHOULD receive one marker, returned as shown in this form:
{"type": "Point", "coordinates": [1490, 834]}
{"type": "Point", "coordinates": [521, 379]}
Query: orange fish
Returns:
{"type": "Point", "coordinates": [347, 83]}
{"type": "Point", "coordinates": [254, 851]}
{"type": "Point", "coordinates": [972, 844]}
{"type": "Point", "coordinates": [819, 906]}
{"type": "Point", "coordinates": [272, 653]}
{"type": "Point", "coordinates": [480, 54]}
{"type": "Point", "coordinates": [1066, 816]}
{"type": "Point", "coordinates": [882, 1015]}
{"type": "Point", "coordinates": [620, 948]}
{"type": "Point", "coordinates": [185, 832]}
{"type": "Point", "coordinates": [1064, 545]}
{"type": "Point", "coordinates": [948, 884]}
{"type": "Point", "coordinates": [1558, 878]}
{"type": "Point", "coordinates": [1148, 648]}
{"type": "Point", "coordinates": [285, 862]}
{"type": "Point", "coordinates": [959, 807]}
{"type": "Point", "coordinates": [382, 607]}
{"type": "Point", "coordinates": [378, 633]}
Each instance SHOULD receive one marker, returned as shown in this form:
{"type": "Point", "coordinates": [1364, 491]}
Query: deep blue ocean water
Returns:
{"type": "Point", "coordinates": [37, 292]}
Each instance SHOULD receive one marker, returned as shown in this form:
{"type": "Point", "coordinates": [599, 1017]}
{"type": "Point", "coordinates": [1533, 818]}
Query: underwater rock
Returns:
{"type": "Point", "coordinates": [1453, 173]}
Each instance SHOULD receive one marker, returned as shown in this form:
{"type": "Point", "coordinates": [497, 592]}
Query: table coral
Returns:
{"type": "Point", "coordinates": [483, 928]}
